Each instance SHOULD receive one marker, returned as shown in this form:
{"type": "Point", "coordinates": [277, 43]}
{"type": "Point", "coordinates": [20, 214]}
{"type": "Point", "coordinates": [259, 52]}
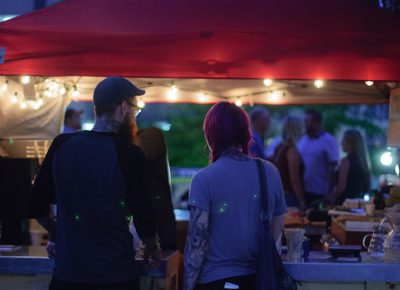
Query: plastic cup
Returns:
{"type": "Point", "coordinates": [294, 241]}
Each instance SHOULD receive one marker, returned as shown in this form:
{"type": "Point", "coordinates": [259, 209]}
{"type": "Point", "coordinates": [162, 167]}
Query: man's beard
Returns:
{"type": "Point", "coordinates": [126, 129]}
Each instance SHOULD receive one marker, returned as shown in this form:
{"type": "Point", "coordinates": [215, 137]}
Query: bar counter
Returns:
{"type": "Point", "coordinates": [319, 267]}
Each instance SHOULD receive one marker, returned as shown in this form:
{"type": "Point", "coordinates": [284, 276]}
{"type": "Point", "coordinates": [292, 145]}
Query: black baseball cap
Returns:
{"type": "Point", "coordinates": [114, 90]}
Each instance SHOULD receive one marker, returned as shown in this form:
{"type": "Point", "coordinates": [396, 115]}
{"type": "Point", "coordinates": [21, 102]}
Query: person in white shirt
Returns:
{"type": "Point", "coordinates": [320, 153]}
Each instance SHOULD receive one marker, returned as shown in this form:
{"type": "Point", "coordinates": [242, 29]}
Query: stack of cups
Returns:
{"type": "Point", "coordinates": [294, 241]}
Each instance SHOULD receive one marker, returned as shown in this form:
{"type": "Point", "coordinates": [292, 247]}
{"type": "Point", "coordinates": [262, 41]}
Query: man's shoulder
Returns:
{"type": "Point", "coordinates": [328, 137]}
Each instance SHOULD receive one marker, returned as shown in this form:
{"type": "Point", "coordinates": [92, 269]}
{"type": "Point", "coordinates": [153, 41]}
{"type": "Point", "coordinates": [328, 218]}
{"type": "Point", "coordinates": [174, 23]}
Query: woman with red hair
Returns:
{"type": "Point", "coordinates": [224, 203]}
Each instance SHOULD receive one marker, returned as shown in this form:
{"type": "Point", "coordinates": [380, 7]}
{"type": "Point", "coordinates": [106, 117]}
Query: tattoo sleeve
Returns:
{"type": "Point", "coordinates": [196, 246]}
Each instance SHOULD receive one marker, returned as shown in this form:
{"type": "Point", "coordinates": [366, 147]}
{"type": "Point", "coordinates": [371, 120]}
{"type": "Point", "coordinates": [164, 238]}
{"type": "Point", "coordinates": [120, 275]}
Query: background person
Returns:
{"type": "Point", "coordinates": [259, 125]}
{"type": "Point", "coordinates": [320, 153]}
{"type": "Point", "coordinates": [289, 162]}
{"type": "Point", "coordinates": [72, 121]}
{"type": "Point", "coordinates": [224, 203]}
{"type": "Point", "coordinates": [354, 176]}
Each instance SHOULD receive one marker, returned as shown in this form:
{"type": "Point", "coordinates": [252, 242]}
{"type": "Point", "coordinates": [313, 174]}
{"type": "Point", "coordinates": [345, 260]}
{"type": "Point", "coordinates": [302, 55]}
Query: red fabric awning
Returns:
{"type": "Point", "coordinates": [285, 39]}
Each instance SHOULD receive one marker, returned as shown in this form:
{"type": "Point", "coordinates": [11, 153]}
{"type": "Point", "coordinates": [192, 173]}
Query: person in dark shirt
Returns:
{"type": "Point", "coordinates": [152, 142]}
{"type": "Point", "coordinates": [259, 125]}
{"type": "Point", "coordinates": [99, 180]}
{"type": "Point", "coordinates": [354, 176]}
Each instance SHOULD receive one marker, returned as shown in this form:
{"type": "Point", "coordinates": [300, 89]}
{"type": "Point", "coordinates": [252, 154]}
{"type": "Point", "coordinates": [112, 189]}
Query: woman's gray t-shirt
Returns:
{"type": "Point", "coordinates": [229, 191]}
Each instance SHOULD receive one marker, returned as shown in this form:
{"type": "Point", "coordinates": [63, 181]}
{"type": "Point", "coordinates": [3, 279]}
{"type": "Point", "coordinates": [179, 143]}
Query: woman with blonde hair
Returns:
{"type": "Point", "coordinates": [289, 162]}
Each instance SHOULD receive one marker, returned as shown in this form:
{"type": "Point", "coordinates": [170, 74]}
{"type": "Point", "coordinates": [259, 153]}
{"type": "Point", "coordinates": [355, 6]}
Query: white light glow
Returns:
{"type": "Point", "coordinates": [4, 87]}
{"type": "Point", "coordinates": [141, 104]}
{"type": "Point", "coordinates": [202, 98]}
{"type": "Point", "coordinates": [53, 86]}
{"type": "Point", "coordinates": [14, 99]}
{"type": "Point", "coordinates": [319, 84]}
{"type": "Point", "coordinates": [172, 95]}
{"type": "Point", "coordinates": [238, 102]}
{"type": "Point", "coordinates": [87, 126]}
{"type": "Point", "coordinates": [23, 105]}
{"type": "Point", "coordinates": [25, 80]}
{"type": "Point", "coordinates": [367, 198]}
{"type": "Point", "coordinates": [40, 102]}
{"type": "Point", "coordinates": [397, 169]}
{"type": "Point", "coordinates": [62, 91]}
{"type": "Point", "coordinates": [274, 96]}
{"type": "Point", "coordinates": [75, 93]}
{"type": "Point", "coordinates": [369, 83]}
{"type": "Point", "coordinates": [36, 106]}
{"type": "Point", "coordinates": [267, 82]}
{"type": "Point", "coordinates": [386, 158]}
{"type": "Point", "coordinates": [174, 89]}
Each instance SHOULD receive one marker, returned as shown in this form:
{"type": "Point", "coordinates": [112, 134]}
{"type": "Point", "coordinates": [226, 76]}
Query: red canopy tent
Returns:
{"type": "Point", "coordinates": [285, 39]}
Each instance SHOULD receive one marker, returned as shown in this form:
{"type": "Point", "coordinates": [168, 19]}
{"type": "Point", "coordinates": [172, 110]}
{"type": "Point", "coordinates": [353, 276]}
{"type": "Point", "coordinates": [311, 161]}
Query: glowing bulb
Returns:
{"type": "Point", "coordinates": [274, 96]}
{"type": "Point", "coordinates": [386, 158]}
{"type": "Point", "coordinates": [40, 102]}
{"type": "Point", "coordinates": [319, 83]}
{"type": "Point", "coordinates": [397, 169]}
{"type": "Point", "coordinates": [53, 86]}
{"type": "Point", "coordinates": [23, 105]}
{"type": "Point", "coordinates": [4, 87]}
{"type": "Point", "coordinates": [14, 99]}
{"type": "Point", "coordinates": [267, 82]}
{"type": "Point", "coordinates": [141, 104]}
{"type": "Point", "coordinates": [174, 89]}
{"type": "Point", "coordinates": [75, 92]}
{"type": "Point", "coordinates": [62, 91]}
{"type": "Point", "coordinates": [25, 79]}
{"type": "Point", "coordinates": [369, 83]}
{"type": "Point", "coordinates": [171, 95]}
{"type": "Point", "coordinates": [47, 93]}
{"type": "Point", "coordinates": [367, 198]}
{"type": "Point", "coordinates": [238, 102]}
{"type": "Point", "coordinates": [36, 106]}
{"type": "Point", "coordinates": [202, 98]}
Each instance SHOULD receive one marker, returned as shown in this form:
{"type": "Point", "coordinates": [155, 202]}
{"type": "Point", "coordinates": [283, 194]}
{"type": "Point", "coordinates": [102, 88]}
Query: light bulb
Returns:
{"type": "Point", "coordinates": [267, 82]}
{"type": "Point", "coordinates": [53, 85]}
{"type": "Point", "coordinates": [40, 102]}
{"type": "Point", "coordinates": [369, 83]}
{"type": "Point", "coordinates": [174, 89]}
{"type": "Point", "coordinates": [171, 95]}
{"type": "Point", "coordinates": [47, 93]}
{"type": "Point", "coordinates": [4, 87]}
{"type": "Point", "coordinates": [274, 96]}
{"type": "Point", "coordinates": [386, 158]}
{"type": "Point", "coordinates": [238, 102]}
{"type": "Point", "coordinates": [75, 93]}
{"type": "Point", "coordinates": [23, 105]}
{"type": "Point", "coordinates": [14, 99]}
{"type": "Point", "coordinates": [319, 83]}
{"type": "Point", "coordinates": [36, 105]}
{"type": "Point", "coordinates": [141, 104]}
{"type": "Point", "coordinates": [202, 98]}
{"type": "Point", "coordinates": [62, 91]}
{"type": "Point", "coordinates": [25, 79]}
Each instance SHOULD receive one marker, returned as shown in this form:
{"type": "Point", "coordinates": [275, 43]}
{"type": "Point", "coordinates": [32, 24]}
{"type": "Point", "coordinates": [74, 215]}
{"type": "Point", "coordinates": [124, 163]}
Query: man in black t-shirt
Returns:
{"type": "Point", "coordinates": [99, 180]}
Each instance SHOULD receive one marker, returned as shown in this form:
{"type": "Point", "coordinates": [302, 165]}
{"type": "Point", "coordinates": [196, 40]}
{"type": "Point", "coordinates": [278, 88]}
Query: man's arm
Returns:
{"type": "Point", "coordinates": [196, 246]}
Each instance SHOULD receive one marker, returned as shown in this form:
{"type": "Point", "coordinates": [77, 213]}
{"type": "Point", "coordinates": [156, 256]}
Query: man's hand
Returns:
{"type": "Point", "coordinates": [51, 249]}
{"type": "Point", "coordinates": [152, 257]}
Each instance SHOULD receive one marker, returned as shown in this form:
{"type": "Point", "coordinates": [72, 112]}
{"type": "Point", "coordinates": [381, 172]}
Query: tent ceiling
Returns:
{"type": "Point", "coordinates": [286, 39]}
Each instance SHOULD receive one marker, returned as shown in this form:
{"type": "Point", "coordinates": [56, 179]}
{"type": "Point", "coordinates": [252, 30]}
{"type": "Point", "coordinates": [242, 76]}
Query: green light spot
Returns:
{"type": "Point", "coordinates": [11, 141]}
{"type": "Point", "coordinates": [128, 218]}
{"type": "Point", "coordinates": [122, 203]}
{"type": "Point", "coordinates": [77, 217]}
{"type": "Point", "coordinates": [221, 210]}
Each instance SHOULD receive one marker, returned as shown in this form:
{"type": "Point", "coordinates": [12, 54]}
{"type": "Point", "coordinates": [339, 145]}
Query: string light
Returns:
{"type": "Point", "coordinates": [238, 102]}
{"type": "Point", "coordinates": [14, 98]}
{"type": "Point", "coordinates": [75, 92]}
{"type": "Point", "coordinates": [202, 98]}
{"type": "Point", "coordinates": [23, 105]}
{"type": "Point", "coordinates": [4, 87]}
{"type": "Point", "coordinates": [274, 96]}
{"type": "Point", "coordinates": [172, 94]}
{"type": "Point", "coordinates": [141, 104]}
{"type": "Point", "coordinates": [369, 83]}
{"type": "Point", "coordinates": [25, 80]}
{"type": "Point", "coordinates": [40, 102]}
{"type": "Point", "coordinates": [267, 82]}
{"type": "Point", "coordinates": [53, 86]}
{"type": "Point", "coordinates": [319, 84]}
{"type": "Point", "coordinates": [63, 91]}
{"type": "Point", "coordinates": [36, 105]}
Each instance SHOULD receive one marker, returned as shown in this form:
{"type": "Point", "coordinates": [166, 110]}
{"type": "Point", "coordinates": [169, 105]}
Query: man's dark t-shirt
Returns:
{"type": "Point", "coordinates": [97, 180]}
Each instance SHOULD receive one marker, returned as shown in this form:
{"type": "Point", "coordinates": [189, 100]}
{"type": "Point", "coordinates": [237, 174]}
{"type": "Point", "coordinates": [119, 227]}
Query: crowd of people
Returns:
{"type": "Point", "coordinates": [102, 178]}
{"type": "Point", "coordinates": [309, 163]}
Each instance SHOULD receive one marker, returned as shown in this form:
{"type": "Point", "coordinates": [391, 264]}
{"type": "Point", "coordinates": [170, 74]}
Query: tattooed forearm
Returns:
{"type": "Point", "coordinates": [196, 246]}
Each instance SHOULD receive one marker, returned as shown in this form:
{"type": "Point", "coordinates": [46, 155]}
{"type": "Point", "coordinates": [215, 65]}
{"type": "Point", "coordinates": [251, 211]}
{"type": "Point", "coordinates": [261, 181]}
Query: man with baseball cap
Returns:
{"type": "Point", "coordinates": [99, 180]}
